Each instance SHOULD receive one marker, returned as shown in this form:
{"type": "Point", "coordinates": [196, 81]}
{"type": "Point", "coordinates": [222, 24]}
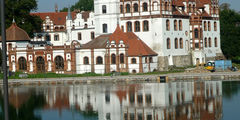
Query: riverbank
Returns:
{"type": "Point", "coordinates": [171, 77]}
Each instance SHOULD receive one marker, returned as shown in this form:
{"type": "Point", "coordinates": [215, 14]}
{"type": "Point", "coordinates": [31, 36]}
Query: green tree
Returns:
{"type": "Point", "coordinates": [20, 11]}
{"type": "Point", "coordinates": [230, 32]}
{"type": "Point", "coordinates": [82, 5]}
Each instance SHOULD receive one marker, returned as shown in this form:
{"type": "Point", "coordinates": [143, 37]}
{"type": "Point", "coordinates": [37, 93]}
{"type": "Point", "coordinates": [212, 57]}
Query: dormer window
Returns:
{"type": "Point", "coordinates": [113, 42]}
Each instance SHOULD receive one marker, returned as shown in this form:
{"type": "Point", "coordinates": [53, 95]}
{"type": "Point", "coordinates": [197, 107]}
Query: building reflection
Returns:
{"type": "Point", "coordinates": [147, 101]}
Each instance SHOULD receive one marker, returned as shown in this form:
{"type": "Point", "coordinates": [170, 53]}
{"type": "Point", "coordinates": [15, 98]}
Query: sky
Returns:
{"type": "Point", "coordinates": [49, 5]}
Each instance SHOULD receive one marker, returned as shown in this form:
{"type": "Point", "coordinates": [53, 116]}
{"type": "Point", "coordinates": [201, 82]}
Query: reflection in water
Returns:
{"type": "Point", "coordinates": [23, 102]}
{"type": "Point", "coordinates": [146, 101]}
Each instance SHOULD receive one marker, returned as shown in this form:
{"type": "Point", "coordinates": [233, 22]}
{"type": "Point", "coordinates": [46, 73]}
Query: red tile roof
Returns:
{"type": "Point", "coordinates": [205, 1]}
{"type": "Point", "coordinates": [136, 47]}
{"type": "Point", "coordinates": [178, 2]}
{"type": "Point", "coordinates": [58, 18]}
{"type": "Point", "coordinates": [14, 33]}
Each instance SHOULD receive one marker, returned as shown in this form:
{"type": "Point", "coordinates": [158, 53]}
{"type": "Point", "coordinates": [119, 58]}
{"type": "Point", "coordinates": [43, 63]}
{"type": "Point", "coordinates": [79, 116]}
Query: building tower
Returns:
{"type": "Point", "coordinates": [106, 15]}
{"type": "Point", "coordinates": [69, 26]}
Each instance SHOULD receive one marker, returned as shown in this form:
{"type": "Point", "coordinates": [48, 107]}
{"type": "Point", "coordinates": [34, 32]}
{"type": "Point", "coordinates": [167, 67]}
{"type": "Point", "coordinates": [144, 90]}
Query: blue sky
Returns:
{"type": "Point", "coordinates": [48, 5]}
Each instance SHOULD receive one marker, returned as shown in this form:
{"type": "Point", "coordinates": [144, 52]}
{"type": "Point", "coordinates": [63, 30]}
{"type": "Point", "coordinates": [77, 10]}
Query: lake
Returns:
{"type": "Point", "coordinates": [210, 100]}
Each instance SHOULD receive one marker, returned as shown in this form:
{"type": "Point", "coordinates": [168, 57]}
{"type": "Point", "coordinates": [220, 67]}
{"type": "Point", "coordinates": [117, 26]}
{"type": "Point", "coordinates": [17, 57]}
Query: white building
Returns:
{"type": "Point", "coordinates": [181, 33]}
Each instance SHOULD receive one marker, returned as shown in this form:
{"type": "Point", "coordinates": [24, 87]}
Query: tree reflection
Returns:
{"type": "Point", "coordinates": [26, 110]}
{"type": "Point", "coordinates": [230, 89]}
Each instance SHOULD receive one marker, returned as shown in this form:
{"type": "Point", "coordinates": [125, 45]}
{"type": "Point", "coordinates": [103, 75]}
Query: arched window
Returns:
{"type": "Point", "coordinates": [113, 59]}
{"type": "Point", "coordinates": [104, 9]}
{"type": "Point", "coordinates": [145, 7]}
{"type": "Point", "coordinates": [216, 42]}
{"type": "Point", "coordinates": [168, 25]}
{"type": "Point", "coordinates": [121, 58]}
{"type": "Point", "coordinates": [40, 64]}
{"type": "Point", "coordinates": [175, 25]}
{"type": "Point", "coordinates": [209, 26]}
{"type": "Point", "coordinates": [166, 6]}
{"type": "Point", "coordinates": [168, 43]}
{"type": "Point", "coordinates": [145, 26]}
{"type": "Point", "coordinates": [205, 26]}
{"type": "Point", "coordinates": [181, 43]}
{"type": "Point", "coordinates": [150, 60]}
{"type": "Point", "coordinates": [59, 63]}
{"type": "Point", "coordinates": [196, 33]}
{"type": "Point", "coordinates": [133, 60]}
{"type": "Point", "coordinates": [214, 10]}
{"type": "Point", "coordinates": [85, 61]}
{"type": "Point", "coordinates": [128, 8]}
{"type": "Point", "coordinates": [85, 26]}
{"type": "Point", "coordinates": [215, 26]}
{"type": "Point", "coordinates": [22, 64]}
{"type": "Point", "coordinates": [129, 26]}
{"type": "Point", "coordinates": [193, 9]}
{"type": "Point", "coordinates": [190, 8]}
{"type": "Point", "coordinates": [135, 7]}
{"type": "Point", "coordinates": [205, 41]}
{"type": "Point", "coordinates": [180, 25]}
{"type": "Point", "coordinates": [105, 27]}
{"type": "Point", "coordinates": [209, 42]}
{"type": "Point", "coordinates": [99, 60]}
{"type": "Point", "coordinates": [137, 26]}
{"type": "Point", "coordinates": [121, 8]}
{"type": "Point", "coordinates": [176, 43]}
{"type": "Point", "coordinates": [155, 6]}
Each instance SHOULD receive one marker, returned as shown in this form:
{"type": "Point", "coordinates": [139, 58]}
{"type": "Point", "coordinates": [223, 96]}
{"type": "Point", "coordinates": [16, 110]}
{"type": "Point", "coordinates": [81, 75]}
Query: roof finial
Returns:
{"type": "Point", "coordinates": [13, 20]}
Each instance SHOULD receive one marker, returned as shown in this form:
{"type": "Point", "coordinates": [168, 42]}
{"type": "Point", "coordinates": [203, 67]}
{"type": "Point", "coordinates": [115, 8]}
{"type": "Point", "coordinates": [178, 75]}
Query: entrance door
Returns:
{"type": "Point", "coordinates": [40, 64]}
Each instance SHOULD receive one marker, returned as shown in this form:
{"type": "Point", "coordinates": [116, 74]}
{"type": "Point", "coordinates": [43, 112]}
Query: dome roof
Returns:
{"type": "Point", "coordinates": [14, 33]}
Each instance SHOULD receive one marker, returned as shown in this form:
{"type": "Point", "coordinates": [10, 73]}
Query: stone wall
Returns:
{"type": "Point", "coordinates": [162, 63]}
{"type": "Point", "coordinates": [183, 60]}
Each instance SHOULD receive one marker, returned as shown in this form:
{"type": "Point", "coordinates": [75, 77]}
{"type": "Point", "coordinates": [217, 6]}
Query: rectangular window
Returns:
{"type": "Point", "coordinates": [79, 36]}
{"type": "Point", "coordinates": [132, 97]}
{"type": "Point", "coordinates": [140, 99]}
{"type": "Point", "coordinates": [107, 96]}
{"type": "Point", "coordinates": [92, 35]}
{"type": "Point", "coordinates": [122, 27]}
{"type": "Point", "coordinates": [104, 28]}
{"type": "Point", "coordinates": [148, 98]}
{"type": "Point", "coordinates": [140, 116]}
{"type": "Point", "coordinates": [104, 9]}
{"type": "Point", "coordinates": [56, 37]}
{"type": "Point", "coordinates": [48, 38]}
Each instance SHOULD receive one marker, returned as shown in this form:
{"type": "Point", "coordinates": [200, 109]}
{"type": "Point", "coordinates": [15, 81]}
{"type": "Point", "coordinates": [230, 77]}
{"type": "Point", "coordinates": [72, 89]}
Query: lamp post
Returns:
{"type": "Point", "coordinates": [4, 60]}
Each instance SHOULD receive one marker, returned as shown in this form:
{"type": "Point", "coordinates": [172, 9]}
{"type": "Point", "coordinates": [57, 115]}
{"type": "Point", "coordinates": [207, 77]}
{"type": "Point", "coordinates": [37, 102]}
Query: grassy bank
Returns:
{"type": "Point", "coordinates": [54, 75]}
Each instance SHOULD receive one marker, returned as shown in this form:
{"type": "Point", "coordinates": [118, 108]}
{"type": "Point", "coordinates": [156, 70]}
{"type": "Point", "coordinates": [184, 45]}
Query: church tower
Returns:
{"type": "Point", "coordinates": [106, 16]}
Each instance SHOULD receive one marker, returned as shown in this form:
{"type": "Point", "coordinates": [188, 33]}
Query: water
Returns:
{"type": "Point", "coordinates": [212, 100]}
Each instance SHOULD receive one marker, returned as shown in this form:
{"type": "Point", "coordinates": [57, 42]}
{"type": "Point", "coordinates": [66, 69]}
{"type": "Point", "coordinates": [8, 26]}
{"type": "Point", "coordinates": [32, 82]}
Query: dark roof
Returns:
{"type": "Point", "coordinates": [14, 33]}
{"type": "Point", "coordinates": [99, 42]}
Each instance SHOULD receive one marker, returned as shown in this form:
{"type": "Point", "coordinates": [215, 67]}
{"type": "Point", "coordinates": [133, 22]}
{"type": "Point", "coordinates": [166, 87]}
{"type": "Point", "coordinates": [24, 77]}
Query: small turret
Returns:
{"type": "Point", "coordinates": [69, 17]}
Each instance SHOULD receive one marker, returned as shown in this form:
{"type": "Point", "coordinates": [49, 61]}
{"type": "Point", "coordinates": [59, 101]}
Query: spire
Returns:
{"type": "Point", "coordinates": [69, 13]}
{"type": "Point", "coordinates": [56, 7]}
{"type": "Point", "coordinates": [13, 21]}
